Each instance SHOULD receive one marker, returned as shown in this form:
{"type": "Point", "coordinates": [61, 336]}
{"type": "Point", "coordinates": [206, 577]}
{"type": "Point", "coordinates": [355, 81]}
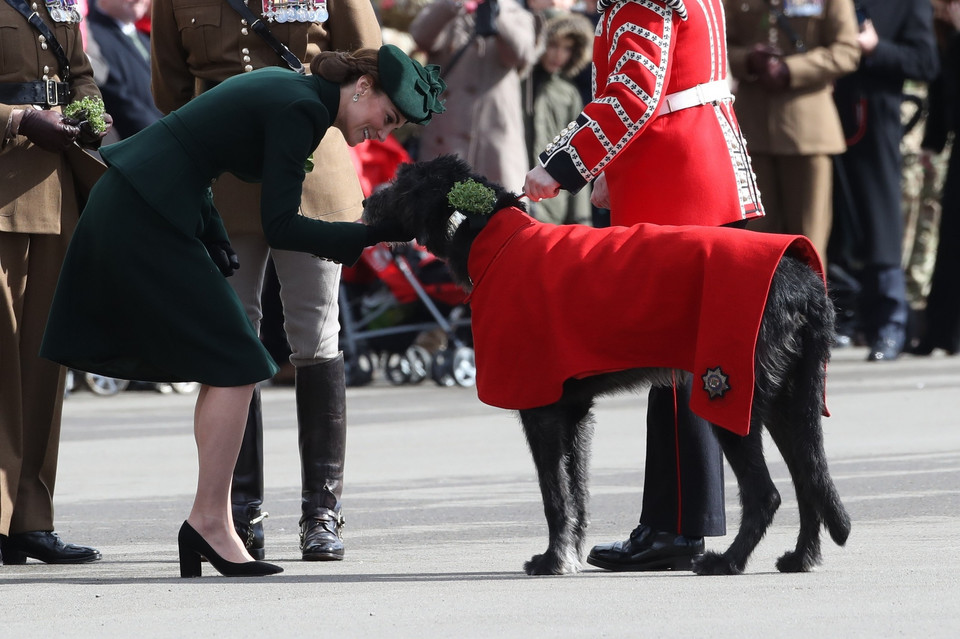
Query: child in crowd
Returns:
{"type": "Point", "coordinates": [551, 101]}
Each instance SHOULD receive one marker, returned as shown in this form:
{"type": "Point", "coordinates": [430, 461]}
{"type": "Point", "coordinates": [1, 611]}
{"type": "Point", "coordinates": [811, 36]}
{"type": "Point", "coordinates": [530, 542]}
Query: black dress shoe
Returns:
{"type": "Point", "coordinates": [926, 346]}
{"type": "Point", "coordinates": [647, 549]}
{"type": "Point", "coordinates": [841, 340]}
{"type": "Point", "coordinates": [885, 350]}
{"type": "Point", "coordinates": [45, 546]}
{"type": "Point", "coordinates": [321, 536]}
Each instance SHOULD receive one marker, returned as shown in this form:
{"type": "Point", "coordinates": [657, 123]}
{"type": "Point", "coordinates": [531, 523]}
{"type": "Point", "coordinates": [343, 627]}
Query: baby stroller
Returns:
{"type": "Point", "coordinates": [396, 299]}
{"type": "Point", "coordinates": [399, 308]}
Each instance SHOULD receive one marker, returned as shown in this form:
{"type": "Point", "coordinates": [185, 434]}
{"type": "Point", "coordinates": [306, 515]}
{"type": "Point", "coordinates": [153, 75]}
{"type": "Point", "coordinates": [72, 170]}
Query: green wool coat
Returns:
{"type": "Point", "coordinates": [139, 297]}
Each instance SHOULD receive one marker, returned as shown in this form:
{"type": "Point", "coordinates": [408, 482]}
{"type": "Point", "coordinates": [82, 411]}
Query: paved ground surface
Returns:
{"type": "Point", "coordinates": [442, 510]}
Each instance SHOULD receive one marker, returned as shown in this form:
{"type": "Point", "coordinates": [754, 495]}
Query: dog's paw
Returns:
{"type": "Point", "coordinates": [793, 561]}
{"type": "Point", "coordinates": [712, 563]}
{"type": "Point", "coordinates": [550, 564]}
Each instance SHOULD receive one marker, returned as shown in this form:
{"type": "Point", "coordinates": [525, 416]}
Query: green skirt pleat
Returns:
{"type": "Point", "coordinates": [138, 299]}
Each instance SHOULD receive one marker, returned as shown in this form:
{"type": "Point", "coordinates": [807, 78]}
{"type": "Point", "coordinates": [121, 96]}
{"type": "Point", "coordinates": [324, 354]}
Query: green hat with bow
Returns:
{"type": "Point", "coordinates": [414, 89]}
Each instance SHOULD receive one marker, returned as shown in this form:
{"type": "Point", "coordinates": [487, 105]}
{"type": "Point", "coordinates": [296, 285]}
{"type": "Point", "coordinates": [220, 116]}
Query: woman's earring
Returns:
{"type": "Point", "coordinates": [356, 96]}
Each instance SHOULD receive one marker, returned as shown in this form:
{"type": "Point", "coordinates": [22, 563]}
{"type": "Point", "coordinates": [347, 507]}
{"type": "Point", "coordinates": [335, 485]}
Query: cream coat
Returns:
{"type": "Point", "coordinates": [483, 123]}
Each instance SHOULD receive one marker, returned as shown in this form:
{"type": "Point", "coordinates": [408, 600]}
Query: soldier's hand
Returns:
{"type": "Point", "coordinates": [540, 185]}
{"type": "Point", "coordinates": [90, 139]}
{"type": "Point", "coordinates": [758, 58]}
{"type": "Point", "coordinates": [868, 39]}
{"type": "Point", "coordinates": [47, 129]}
{"type": "Point", "coordinates": [600, 195]}
{"type": "Point", "coordinates": [223, 256]}
{"type": "Point", "coordinates": [776, 75]}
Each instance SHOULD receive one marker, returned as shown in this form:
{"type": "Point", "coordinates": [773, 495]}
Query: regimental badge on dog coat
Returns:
{"type": "Point", "coordinates": [551, 303]}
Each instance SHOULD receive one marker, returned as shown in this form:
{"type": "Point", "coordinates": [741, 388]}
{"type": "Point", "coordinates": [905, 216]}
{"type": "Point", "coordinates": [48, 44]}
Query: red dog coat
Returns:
{"type": "Point", "coordinates": [552, 303]}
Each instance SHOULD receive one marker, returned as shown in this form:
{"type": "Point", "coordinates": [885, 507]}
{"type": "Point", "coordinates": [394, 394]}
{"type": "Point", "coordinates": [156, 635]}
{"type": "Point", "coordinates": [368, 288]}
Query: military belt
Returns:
{"type": "Point", "coordinates": [43, 92]}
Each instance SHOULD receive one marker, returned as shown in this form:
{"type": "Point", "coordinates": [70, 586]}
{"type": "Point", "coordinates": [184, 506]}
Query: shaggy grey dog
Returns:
{"type": "Point", "coordinates": [792, 350]}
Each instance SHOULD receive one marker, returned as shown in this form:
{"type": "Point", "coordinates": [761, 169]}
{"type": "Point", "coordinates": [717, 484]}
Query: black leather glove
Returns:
{"type": "Point", "coordinates": [758, 57]}
{"type": "Point", "coordinates": [775, 76]}
{"type": "Point", "coordinates": [387, 232]}
{"type": "Point", "coordinates": [88, 138]}
{"type": "Point", "coordinates": [47, 129]}
{"type": "Point", "coordinates": [223, 256]}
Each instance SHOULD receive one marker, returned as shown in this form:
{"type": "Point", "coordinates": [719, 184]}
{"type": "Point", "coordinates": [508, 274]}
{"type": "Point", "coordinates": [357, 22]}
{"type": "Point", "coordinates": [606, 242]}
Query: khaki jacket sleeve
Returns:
{"type": "Point", "coordinates": [353, 25]}
{"type": "Point", "coordinates": [171, 79]}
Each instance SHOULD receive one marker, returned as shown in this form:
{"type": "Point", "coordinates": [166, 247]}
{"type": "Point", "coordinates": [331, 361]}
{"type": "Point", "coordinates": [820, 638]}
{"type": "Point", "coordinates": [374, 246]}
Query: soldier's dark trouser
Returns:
{"type": "Point", "coordinates": [683, 476]}
{"type": "Point", "coordinates": [683, 472]}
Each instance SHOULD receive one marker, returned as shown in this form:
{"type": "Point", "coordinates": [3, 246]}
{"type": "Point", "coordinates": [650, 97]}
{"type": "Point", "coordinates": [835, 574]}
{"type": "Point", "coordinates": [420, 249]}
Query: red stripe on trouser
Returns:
{"type": "Point", "coordinates": [676, 442]}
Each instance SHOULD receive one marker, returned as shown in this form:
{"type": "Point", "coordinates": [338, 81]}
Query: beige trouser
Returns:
{"type": "Point", "coordinates": [797, 196]}
{"type": "Point", "coordinates": [31, 388]}
{"type": "Point", "coordinates": [309, 289]}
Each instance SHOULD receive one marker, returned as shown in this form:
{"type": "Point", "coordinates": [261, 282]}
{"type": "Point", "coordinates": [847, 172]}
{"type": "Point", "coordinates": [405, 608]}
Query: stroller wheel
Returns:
{"type": "Point", "coordinates": [442, 369]}
{"type": "Point", "coordinates": [185, 387]}
{"type": "Point", "coordinates": [420, 361]}
{"type": "Point", "coordinates": [397, 369]}
{"type": "Point", "coordinates": [69, 383]}
{"type": "Point", "coordinates": [105, 386]}
{"type": "Point", "coordinates": [358, 371]}
{"type": "Point", "coordinates": [464, 367]}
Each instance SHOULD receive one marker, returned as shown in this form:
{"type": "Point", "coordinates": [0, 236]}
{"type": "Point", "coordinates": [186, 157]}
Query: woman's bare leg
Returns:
{"type": "Point", "coordinates": [219, 420]}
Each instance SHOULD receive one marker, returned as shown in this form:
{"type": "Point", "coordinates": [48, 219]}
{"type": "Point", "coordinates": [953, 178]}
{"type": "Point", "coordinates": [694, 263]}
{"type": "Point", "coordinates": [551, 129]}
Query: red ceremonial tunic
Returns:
{"type": "Point", "coordinates": [686, 167]}
{"type": "Point", "coordinates": [551, 303]}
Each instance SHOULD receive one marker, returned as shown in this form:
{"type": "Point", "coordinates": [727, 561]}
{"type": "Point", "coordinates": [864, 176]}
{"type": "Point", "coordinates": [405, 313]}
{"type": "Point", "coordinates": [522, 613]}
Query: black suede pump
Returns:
{"type": "Point", "coordinates": [193, 546]}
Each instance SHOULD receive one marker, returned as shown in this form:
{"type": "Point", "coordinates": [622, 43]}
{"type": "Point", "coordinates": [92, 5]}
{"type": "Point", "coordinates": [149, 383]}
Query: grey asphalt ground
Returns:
{"type": "Point", "coordinates": [442, 510]}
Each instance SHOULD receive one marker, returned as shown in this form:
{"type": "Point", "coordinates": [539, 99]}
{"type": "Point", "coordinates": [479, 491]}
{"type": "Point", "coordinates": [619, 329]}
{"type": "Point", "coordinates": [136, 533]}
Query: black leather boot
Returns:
{"type": "Point", "coordinates": [322, 423]}
{"type": "Point", "coordinates": [247, 489]}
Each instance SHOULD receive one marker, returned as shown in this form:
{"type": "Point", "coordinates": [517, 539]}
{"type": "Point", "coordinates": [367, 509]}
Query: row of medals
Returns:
{"type": "Point", "coordinates": [63, 10]}
{"type": "Point", "coordinates": [295, 11]}
{"type": "Point", "coordinates": [273, 10]}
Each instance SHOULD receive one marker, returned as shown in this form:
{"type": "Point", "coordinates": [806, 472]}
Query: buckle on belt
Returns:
{"type": "Point", "coordinates": [52, 93]}
{"type": "Point", "coordinates": [701, 97]}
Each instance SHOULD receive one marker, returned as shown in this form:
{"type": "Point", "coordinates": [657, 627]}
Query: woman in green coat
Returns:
{"type": "Point", "coordinates": [142, 293]}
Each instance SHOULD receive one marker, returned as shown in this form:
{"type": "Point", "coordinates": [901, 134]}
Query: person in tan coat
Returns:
{"type": "Point", "coordinates": [483, 69]}
{"type": "Point", "coordinates": [785, 56]}
{"type": "Point", "coordinates": [197, 44]}
{"type": "Point", "coordinates": [39, 207]}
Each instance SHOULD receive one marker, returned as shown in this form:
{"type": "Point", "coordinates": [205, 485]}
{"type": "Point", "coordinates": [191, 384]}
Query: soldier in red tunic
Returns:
{"type": "Point", "coordinates": [660, 143]}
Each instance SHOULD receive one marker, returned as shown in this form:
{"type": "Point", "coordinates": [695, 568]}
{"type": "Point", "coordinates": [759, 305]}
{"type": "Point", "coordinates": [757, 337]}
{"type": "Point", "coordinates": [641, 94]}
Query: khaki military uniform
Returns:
{"type": "Point", "coordinates": [38, 212]}
{"type": "Point", "coordinates": [793, 133]}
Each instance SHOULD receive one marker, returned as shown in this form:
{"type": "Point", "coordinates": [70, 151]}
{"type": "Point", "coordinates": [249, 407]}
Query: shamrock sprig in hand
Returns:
{"type": "Point", "coordinates": [88, 114]}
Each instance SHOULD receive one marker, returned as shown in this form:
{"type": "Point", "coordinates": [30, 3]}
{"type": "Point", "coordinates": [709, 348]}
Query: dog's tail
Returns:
{"type": "Point", "coordinates": [817, 337]}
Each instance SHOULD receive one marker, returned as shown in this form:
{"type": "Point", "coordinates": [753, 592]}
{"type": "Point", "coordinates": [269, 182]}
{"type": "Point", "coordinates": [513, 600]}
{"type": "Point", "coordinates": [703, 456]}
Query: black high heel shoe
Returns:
{"type": "Point", "coordinates": [192, 546]}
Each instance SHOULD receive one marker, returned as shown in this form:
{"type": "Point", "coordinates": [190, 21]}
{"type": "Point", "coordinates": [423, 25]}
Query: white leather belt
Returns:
{"type": "Point", "coordinates": [696, 96]}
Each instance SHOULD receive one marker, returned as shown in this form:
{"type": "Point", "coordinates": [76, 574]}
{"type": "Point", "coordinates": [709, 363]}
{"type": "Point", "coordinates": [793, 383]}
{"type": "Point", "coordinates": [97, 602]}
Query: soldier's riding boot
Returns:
{"type": "Point", "coordinates": [247, 488]}
{"type": "Point", "coordinates": [321, 418]}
